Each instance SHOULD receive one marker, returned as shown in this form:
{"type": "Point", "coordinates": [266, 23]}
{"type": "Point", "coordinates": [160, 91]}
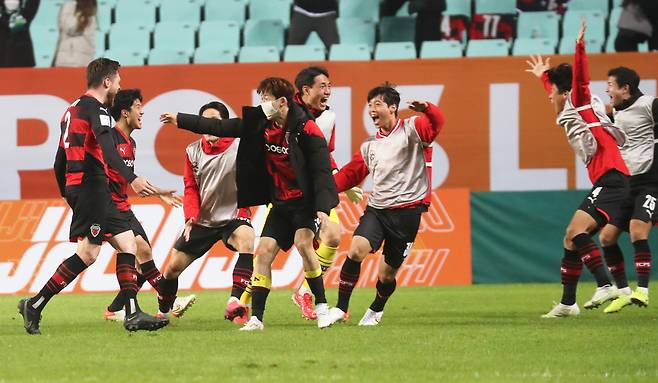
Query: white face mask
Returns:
{"type": "Point", "coordinates": [12, 5]}
{"type": "Point", "coordinates": [268, 109]}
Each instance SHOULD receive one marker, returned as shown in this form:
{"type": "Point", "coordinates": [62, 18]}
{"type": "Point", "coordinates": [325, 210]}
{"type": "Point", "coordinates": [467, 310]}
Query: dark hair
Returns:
{"type": "Point", "coordinates": [124, 101]}
{"type": "Point", "coordinates": [626, 76]}
{"type": "Point", "coordinates": [306, 77]}
{"type": "Point", "coordinates": [278, 87]}
{"type": "Point", "coordinates": [561, 76]}
{"type": "Point", "coordinates": [84, 10]}
{"type": "Point", "coordinates": [218, 106]}
{"type": "Point", "coordinates": [388, 93]}
{"type": "Point", "coordinates": [100, 68]}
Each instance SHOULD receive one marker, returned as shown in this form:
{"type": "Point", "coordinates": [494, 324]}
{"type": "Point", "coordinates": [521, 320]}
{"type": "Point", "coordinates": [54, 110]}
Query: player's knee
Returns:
{"type": "Point", "coordinates": [607, 239]}
{"type": "Point", "coordinates": [303, 244]}
{"type": "Point", "coordinates": [331, 238]}
{"type": "Point", "coordinates": [144, 254]}
{"type": "Point", "coordinates": [87, 256]}
{"type": "Point", "coordinates": [245, 242]}
{"type": "Point", "coordinates": [386, 276]}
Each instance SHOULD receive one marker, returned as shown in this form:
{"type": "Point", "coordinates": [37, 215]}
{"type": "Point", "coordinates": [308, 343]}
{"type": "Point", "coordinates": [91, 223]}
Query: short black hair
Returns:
{"type": "Point", "coordinates": [218, 106]}
{"type": "Point", "coordinates": [626, 76]}
{"type": "Point", "coordinates": [561, 76]}
{"type": "Point", "coordinates": [277, 87]}
{"type": "Point", "coordinates": [306, 77]}
{"type": "Point", "coordinates": [100, 68]}
{"type": "Point", "coordinates": [388, 93]}
{"type": "Point", "coordinates": [124, 101]}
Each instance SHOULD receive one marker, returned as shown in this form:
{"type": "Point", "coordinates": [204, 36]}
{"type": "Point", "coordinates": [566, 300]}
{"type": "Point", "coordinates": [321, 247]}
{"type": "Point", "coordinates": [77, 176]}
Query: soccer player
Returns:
{"type": "Point", "coordinates": [127, 111]}
{"type": "Point", "coordinates": [85, 149]}
{"type": "Point", "coordinates": [637, 115]}
{"type": "Point", "coordinates": [211, 214]}
{"type": "Point", "coordinates": [283, 159]}
{"type": "Point", "coordinates": [595, 141]}
{"type": "Point", "coordinates": [396, 157]}
{"type": "Point", "coordinates": [313, 92]}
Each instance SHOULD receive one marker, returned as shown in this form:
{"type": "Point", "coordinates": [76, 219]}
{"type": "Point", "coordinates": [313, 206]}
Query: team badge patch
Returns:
{"type": "Point", "coordinates": [95, 229]}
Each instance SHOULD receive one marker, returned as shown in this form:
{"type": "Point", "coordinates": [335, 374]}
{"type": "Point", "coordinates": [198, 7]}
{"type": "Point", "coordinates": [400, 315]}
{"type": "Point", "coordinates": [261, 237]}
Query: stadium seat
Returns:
{"type": "Point", "coordinates": [258, 54]}
{"type": "Point", "coordinates": [174, 36]}
{"type": "Point", "coordinates": [48, 13]}
{"type": "Point", "coordinates": [595, 24]}
{"type": "Point", "coordinates": [270, 10]}
{"type": "Point", "coordinates": [538, 25]}
{"type": "Point", "coordinates": [186, 11]}
{"type": "Point", "coordinates": [356, 31]}
{"type": "Point", "coordinates": [45, 44]}
{"type": "Point", "coordinates": [107, 3]}
{"type": "Point", "coordinates": [43, 59]}
{"type": "Point", "coordinates": [568, 45]}
{"type": "Point", "coordinates": [125, 57]}
{"type": "Point", "coordinates": [458, 8]}
{"type": "Point", "coordinates": [100, 41]}
{"type": "Point", "coordinates": [588, 5]}
{"type": "Point", "coordinates": [484, 7]}
{"type": "Point", "coordinates": [135, 12]}
{"type": "Point", "coordinates": [613, 29]}
{"type": "Point", "coordinates": [228, 10]}
{"type": "Point", "coordinates": [314, 39]}
{"type": "Point", "coordinates": [360, 9]}
{"type": "Point", "coordinates": [211, 55]}
{"type": "Point", "coordinates": [481, 48]}
{"type": "Point", "coordinates": [264, 33]}
{"type": "Point", "coordinates": [164, 56]}
{"type": "Point", "coordinates": [220, 34]}
{"type": "Point", "coordinates": [104, 16]}
{"type": "Point", "coordinates": [304, 53]}
{"type": "Point", "coordinates": [440, 49]}
{"type": "Point", "coordinates": [397, 29]}
{"type": "Point", "coordinates": [617, 3]}
{"type": "Point", "coordinates": [349, 52]}
{"type": "Point", "coordinates": [132, 38]}
{"type": "Point", "coordinates": [524, 47]}
{"type": "Point", "coordinates": [404, 10]}
{"type": "Point", "coordinates": [395, 51]}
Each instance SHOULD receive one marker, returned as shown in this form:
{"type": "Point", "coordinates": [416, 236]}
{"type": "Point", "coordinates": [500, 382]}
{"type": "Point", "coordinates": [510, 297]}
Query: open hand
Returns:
{"type": "Point", "coordinates": [583, 28]}
{"type": "Point", "coordinates": [171, 199]}
{"type": "Point", "coordinates": [418, 106]}
{"type": "Point", "coordinates": [168, 118]}
{"type": "Point", "coordinates": [537, 65]}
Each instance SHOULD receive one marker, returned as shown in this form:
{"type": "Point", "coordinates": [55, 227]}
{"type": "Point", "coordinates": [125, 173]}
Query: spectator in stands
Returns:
{"type": "Point", "coordinates": [638, 23]}
{"type": "Point", "coordinates": [15, 42]}
{"type": "Point", "coordinates": [314, 15]}
{"type": "Point", "coordinates": [428, 19]}
{"type": "Point", "coordinates": [77, 33]}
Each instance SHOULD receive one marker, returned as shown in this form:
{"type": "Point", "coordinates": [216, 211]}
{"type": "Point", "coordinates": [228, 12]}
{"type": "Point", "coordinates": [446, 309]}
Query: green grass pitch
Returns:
{"type": "Point", "coordinates": [481, 333]}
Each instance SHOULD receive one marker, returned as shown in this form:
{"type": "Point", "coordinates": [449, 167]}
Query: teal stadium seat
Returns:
{"type": "Point", "coordinates": [185, 11]}
{"type": "Point", "coordinates": [258, 33]}
{"type": "Point", "coordinates": [397, 29]}
{"type": "Point", "coordinates": [100, 42]}
{"type": "Point", "coordinates": [174, 36]}
{"type": "Point", "coordinates": [595, 24]}
{"type": "Point", "coordinates": [483, 48]}
{"type": "Point", "coordinates": [104, 15]}
{"type": "Point", "coordinates": [125, 57]}
{"type": "Point", "coordinates": [44, 43]}
{"type": "Point", "coordinates": [349, 52]}
{"type": "Point", "coordinates": [107, 3]}
{"type": "Point", "coordinates": [404, 10]}
{"type": "Point", "coordinates": [314, 39]}
{"type": "Point", "coordinates": [226, 10]}
{"type": "Point", "coordinates": [48, 13]}
{"type": "Point", "coordinates": [568, 45]}
{"type": "Point", "coordinates": [524, 47]}
{"type": "Point", "coordinates": [301, 53]}
{"type": "Point", "coordinates": [458, 8]}
{"type": "Point", "coordinates": [495, 6]}
{"type": "Point", "coordinates": [356, 31]}
{"type": "Point", "coordinates": [613, 29]}
{"type": "Point", "coordinates": [220, 35]}
{"type": "Point", "coordinates": [441, 49]}
{"type": "Point", "coordinates": [395, 51]}
{"type": "Point", "coordinates": [135, 12]}
{"type": "Point", "coordinates": [165, 56]}
{"type": "Point", "coordinates": [543, 25]}
{"type": "Point", "coordinates": [588, 5]}
{"type": "Point", "coordinates": [132, 38]}
{"type": "Point", "coordinates": [361, 9]}
{"type": "Point", "coordinates": [211, 55]}
{"type": "Point", "coordinates": [258, 54]}
{"type": "Point", "coordinates": [617, 3]}
{"type": "Point", "coordinates": [270, 10]}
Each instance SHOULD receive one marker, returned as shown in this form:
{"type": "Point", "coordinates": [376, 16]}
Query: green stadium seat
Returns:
{"type": "Point", "coordinates": [568, 45]}
{"type": "Point", "coordinates": [135, 12]}
{"type": "Point", "coordinates": [125, 57]}
{"type": "Point", "coordinates": [211, 55]}
{"type": "Point", "coordinates": [219, 35]}
{"type": "Point", "coordinates": [543, 25]}
{"type": "Point", "coordinates": [48, 13]}
{"type": "Point", "coordinates": [299, 53]}
{"type": "Point", "coordinates": [397, 29]}
{"type": "Point", "coordinates": [264, 33]}
{"type": "Point", "coordinates": [314, 39]}
{"type": "Point", "coordinates": [441, 49]}
{"type": "Point", "coordinates": [104, 16]}
{"type": "Point", "coordinates": [45, 44]}
{"type": "Point", "coordinates": [360, 9]}
{"type": "Point", "coordinates": [186, 11]}
{"type": "Point", "coordinates": [588, 5]}
{"type": "Point", "coordinates": [613, 29]}
{"type": "Point", "coordinates": [356, 31]}
{"type": "Point", "coordinates": [483, 48]}
{"type": "Point", "coordinates": [524, 47]}
{"type": "Point", "coordinates": [128, 37]}
{"type": "Point", "coordinates": [395, 51]}
{"type": "Point", "coordinates": [458, 8]}
{"type": "Point", "coordinates": [107, 3]}
{"type": "Point", "coordinates": [617, 3]}
{"type": "Point", "coordinates": [258, 54]}
{"type": "Point", "coordinates": [100, 41]}
{"type": "Point", "coordinates": [174, 36]}
{"type": "Point", "coordinates": [165, 56]}
{"type": "Point", "coordinates": [349, 52]}
{"type": "Point", "coordinates": [227, 10]}
{"type": "Point", "coordinates": [43, 59]}
{"type": "Point", "coordinates": [495, 6]}
{"type": "Point", "coordinates": [595, 24]}
{"type": "Point", "coordinates": [270, 10]}
{"type": "Point", "coordinates": [404, 10]}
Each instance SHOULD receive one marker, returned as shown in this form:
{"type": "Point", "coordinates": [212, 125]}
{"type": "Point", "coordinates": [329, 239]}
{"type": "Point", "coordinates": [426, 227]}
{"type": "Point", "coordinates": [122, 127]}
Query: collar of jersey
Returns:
{"type": "Point", "coordinates": [381, 134]}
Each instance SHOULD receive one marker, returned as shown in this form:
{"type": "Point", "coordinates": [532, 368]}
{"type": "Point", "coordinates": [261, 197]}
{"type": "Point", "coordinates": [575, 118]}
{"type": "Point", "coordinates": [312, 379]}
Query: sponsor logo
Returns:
{"type": "Point", "coordinates": [276, 149]}
{"type": "Point", "coordinates": [129, 163]}
{"type": "Point", "coordinates": [122, 150]}
{"type": "Point", "coordinates": [95, 229]}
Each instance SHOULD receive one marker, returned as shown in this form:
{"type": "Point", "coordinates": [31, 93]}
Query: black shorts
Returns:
{"type": "Point", "coordinates": [91, 203]}
{"type": "Point", "coordinates": [605, 200]}
{"type": "Point", "coordinates": [121, 221]}
{"type": "Point", "coordinates": [640, 205]}
{"type": "Point", "coordinates": [202, 238]}
{"type": "Point", "coordinates": [284, 219]}
{"type": "Point", "coordinates": [396, 228]}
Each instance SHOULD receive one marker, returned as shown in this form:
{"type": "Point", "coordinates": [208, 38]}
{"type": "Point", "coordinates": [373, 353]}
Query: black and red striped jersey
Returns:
{"type": "Point", "coordinates": [118, 184]}
{"type": "Point", "coordinates": [494, 26]}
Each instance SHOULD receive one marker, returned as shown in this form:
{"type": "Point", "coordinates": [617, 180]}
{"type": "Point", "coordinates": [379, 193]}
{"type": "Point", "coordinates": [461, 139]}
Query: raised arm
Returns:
{"type": "Point", "coordinates": [580, 93]}
{"type": "Point", "coordinates": [539, 68]}
{"type": "Point", "coordinates": [352, 174]}
{"type": "Point", "coordinates": [430, 123]}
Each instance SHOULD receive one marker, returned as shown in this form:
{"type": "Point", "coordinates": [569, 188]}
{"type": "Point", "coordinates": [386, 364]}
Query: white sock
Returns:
{"type": "Point", "coordinates": [625, 290]}
{"type": "Point", "coordinates": [643, 290]}
{"type": "Point", "coordinates": [303, 290]}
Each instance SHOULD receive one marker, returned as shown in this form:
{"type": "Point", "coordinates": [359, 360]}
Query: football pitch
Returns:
{"type": "Point", "coordinates": [481, 333]}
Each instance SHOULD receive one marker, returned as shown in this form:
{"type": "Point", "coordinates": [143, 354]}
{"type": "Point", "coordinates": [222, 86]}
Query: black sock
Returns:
{"type": "Point", "coordinates": [169, 288]}
{"type": "Point", "coordinates": [614, 259]}
{"type": "Point", "coordinates": [317, 288]}
{"type": "Point", "coordinates": [242, 271]}
{"type": "Point", "coordinates": [140, 280]}
{"type": "Point", "coordinates": [258, 299]}
{"type": "Point", "coordinates": [117, 303]}
{"type": "Point", "coordinates": [591, 256]}
{"type": "Point", "coordinates": [127, 277]}
{"type": "Point", "coordinates": [67, 271]}
{"type": "Point", "coordinates": [570, 271]}
{"type": "Point", "coordinates": [384, 291]}
{"type": "Point", "coordinates": [642, 262]}
{"type": "Point", "coordinates": [349, 276]}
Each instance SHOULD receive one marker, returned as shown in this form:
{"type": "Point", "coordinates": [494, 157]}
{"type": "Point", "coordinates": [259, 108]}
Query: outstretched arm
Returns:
{"type": "Point", "coordinates": [196, 124]}
{"type": "Point", "coordinates": [580, 94]}
{"type": "Point", "coordinates": [540, 68]}
{"type": "Point", "coordinates": [352, 174]}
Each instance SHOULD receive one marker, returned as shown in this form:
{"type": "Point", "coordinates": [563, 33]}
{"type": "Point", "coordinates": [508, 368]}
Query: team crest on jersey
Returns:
{"type": "Point", "coordinates": [95, 229]}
